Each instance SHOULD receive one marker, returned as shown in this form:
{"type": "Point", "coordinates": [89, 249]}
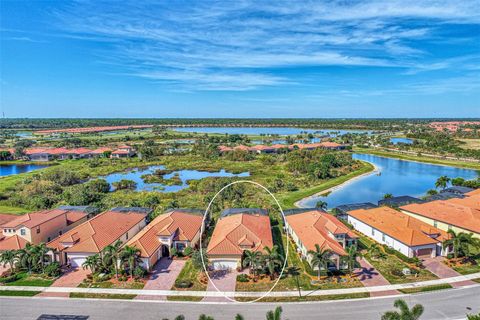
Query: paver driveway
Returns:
{"type": "Point", "coordinates": [441, 270]}
{"type": "Point", "coordinates": [225, 281]}
{"type": "Point", "coordinates": [70, 278]}
{"type": "Point", "coordinates": [163, 277]}
{"type": "Point", "coordinates": [370, 277]}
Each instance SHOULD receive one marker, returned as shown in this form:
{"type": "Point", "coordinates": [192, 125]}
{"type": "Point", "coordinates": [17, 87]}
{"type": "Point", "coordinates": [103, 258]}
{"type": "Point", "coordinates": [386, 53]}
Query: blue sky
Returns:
{"type": "Point", "coordinates": [240, 58]}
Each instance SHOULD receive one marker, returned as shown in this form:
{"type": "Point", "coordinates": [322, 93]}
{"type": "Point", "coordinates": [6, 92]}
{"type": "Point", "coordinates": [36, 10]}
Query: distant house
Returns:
{"type": "Point", "coordinates": [41, 226]}
{"type": "Point", "coordinates": [410, 236]}
{"type": "Point", "coordinates": [100, 152]}
{"type": "Point", "coordinates": [342, 210]}
{"type": "Point", "coordinates": [444, 196]}
{"type": "Point", "coordinates": [238, 230]}
{"type": "Point", "coordinates": [123, 152]}
{"type": "Point", "coordinates": [38, 154]}
{"type": "Point", "coordinates": [311, 227]}
{"type": "Point", "coordinates": [92, 236]}
{"type": "Point", "coordinates": [260, 148]}
{"type": "Point", "coordinates": [177, 229]}
{"type": "Point", "coordinates": [399, 201]}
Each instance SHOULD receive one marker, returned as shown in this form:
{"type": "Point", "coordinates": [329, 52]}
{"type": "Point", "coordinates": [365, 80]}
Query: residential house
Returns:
{"type": "Point", "coordinates": [311, 227]}
{"type": "Point", "coordinates": [410, 236]}
{"type": "Point", "coordinates": [342, 210]}
{"type": "Point", "coordinates": [459, 215]}
{"type": "Point", "coordinates": [41, 226]}
{"type": "Point", "coordinates": [123, 152]}
{"type": "Point", "coordinates": [92, 236]}
{"type": "Point", "coordinates": [179, 229]}
{"type": "Point", "coordinates": [396, 202]}
{"type": "Point", "coordinates": [238, 230]}
{"type": "Point", "coordinates": [100, 152]}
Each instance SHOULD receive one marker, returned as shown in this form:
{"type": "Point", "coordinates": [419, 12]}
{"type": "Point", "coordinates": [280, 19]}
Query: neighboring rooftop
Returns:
{"type": "Point", "coordinates": [314, 227]}
{"type": "Point", "coordinates": [444, 196]}
{"type": "Point", "coordinates": [400, 226]}
{"type": "Point", "coordinates": [33, 219]}
{"type": "Point", "coordinates": [4, 218]}
{"type": "Point", "coordinates": [252, 211]}
{"type": "Point", "coordinates": [457, 189]}
{"type": "Point", "coordinates": [399, 201]}
{"type": "Point", "coordinates": [344, 208]}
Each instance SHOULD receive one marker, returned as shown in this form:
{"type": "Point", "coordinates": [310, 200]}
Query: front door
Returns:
{"type": "Point", "coordinates": [165, 251]}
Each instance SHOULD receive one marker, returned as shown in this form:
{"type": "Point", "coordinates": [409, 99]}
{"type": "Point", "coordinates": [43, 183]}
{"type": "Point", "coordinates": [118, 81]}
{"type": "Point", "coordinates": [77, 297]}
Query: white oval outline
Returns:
{"type": "Point", "coordinates": [202, 229]}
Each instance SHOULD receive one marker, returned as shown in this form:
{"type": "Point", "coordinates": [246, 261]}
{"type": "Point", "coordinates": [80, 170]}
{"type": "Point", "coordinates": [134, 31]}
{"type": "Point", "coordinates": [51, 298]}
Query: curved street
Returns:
{"type": "Point", "coordinates": [447, 304]}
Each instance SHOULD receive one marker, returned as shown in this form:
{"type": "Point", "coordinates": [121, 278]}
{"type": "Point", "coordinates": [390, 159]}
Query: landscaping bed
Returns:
{"type": "Point", "coordinates": [102, 296]}
{"type": "Point", "coordinates": [191, 279]}
{"type": "Point", "coordinates": [113, 283]}
{"type": "Point", "coordinates": [28, 280]}
{"type": "Point", "coordinates": [427, 288]}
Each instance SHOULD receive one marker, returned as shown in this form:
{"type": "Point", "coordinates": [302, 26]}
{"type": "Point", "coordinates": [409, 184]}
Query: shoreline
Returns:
{"type": "Point", "coordinates": [376, 169]}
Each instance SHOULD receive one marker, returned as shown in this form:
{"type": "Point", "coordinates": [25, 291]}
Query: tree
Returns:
{"type": "Point", "coordinates": [239, 317]}
{"type": "Point", "coordinates": [432, 192]}
{"type": "Point", "coordinates": [40, 251]}
{"type": "Point", "coordinates": [387, 196]}
{"type": "Point", "coordinates": [275, 315]}
{"type": "Point", "coordinates": [442, 182]}
{"type": "Point", "coordinates": [404, 312]}
{"type": "Point", "coordinates": [131, 256]}
{"type": "Point", "coordinates": [320, 259]}
{"type": "Point", "coordinates": [199, 258]}
{"type": "Point", "coordinates": [124, 184]}
{"type": "Point", "coordinates": [92, 263]}
{"type": "Point", "coordinates": [112, 253]}
{"type": "Point", "coordinates": [272, 260]}
{"type": "Point", "coordinates": [321, 205]}
{"type": "Point", "coordinates": [473, 316]}
{"type": "Point", "coordinates": [205, 317]}
{"type": "Point", "coordinates": [460, 243]}
{"type": "Point", "coordinates": [251, 259]}
{"type": "Point", "coordinates": [351, 258]}
{"type": "Point", "coordinates": [8, 258]}
{"type": "Point", "coordinates": [376, 251]}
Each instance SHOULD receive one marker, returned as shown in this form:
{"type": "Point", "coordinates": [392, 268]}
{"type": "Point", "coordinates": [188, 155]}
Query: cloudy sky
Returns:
{"type": "Point", "coordinates": [240, 58]}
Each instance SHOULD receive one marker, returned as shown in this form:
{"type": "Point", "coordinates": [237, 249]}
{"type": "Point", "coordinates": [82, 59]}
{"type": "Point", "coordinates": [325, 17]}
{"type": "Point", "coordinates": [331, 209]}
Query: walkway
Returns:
{"type": "Point", "coordinates": [163, 277]}
{"type": "Point", "coordinates": [441, 270]}
{"type": "Point", "coordinates": [370, 277]}
{"type": "Point", "coordinates": [225, 281]}
{"type": "Point", "coordinates": [70, 278]}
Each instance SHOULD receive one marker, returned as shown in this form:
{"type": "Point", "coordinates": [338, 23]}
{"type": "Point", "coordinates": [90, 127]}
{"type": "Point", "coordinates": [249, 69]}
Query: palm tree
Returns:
{"type": "Point", "coordinates": [92, 263]}
{"type": "Point", "coordinates": [460, 243]}
{"type": "Point", "coordinates": [295, 272]}
{"type": "Point", "coordinates": [239, 317]}
{"type": "Point", "coordinates": [321, 205]}
{"type": "Point", "coordinates": [442, 182]}
{"type": "Point", "coordinates": [351, 258]}
{"type": "Point", "coordinates": [112, 254]}
{"type": "Point", "coordinates": [26, 257]}
{"type": "Point", "coordinates": [375, 251]}
{"type": "Point", "coordinates": [273, 259]}
{"type": "Point", "coordinates": [387, 196]}
{"type": "Point", "coordinates": [320, 259]}
{"type": "Point", "coordinates": [275, 315]}
{"type": "Point", "coordinates": [251, 259]}
{"type": "Point", "coordinates": [8, 257]}
{"type": "Point", "coordinates": [205, 317]}
{"type": "Point", "coordinates": [131, 255]}
{"type": "Point", "coordinates": [41, 251]}
{"type": "Point", "coordinates": [405, 312]}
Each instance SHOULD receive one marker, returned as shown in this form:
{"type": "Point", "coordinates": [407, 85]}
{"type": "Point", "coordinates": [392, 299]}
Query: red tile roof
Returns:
{"type": "Point", "coordinates": [33, 219]}
{"type": "Point", "coordinates": [4, 218]}
{"type": "Point", "coordinates": [233, 231]}
{"type": "Point", "coordinates": [12, 243]}
{"type": "Point", "coordinates": [183, 225]}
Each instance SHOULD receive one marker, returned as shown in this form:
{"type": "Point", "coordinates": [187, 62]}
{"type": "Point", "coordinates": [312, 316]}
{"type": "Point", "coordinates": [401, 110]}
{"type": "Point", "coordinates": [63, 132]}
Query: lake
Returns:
{"type": "Point", "coordinates": [184, 175]}
{"type": "Point", "coordinates": [283, 131]}
{"type": "Point", "coordinates": [11, 169]}
{"type": "Point", "coordinates": [401, 140]}
{"type": "Point", "coordinates": [398, 177]}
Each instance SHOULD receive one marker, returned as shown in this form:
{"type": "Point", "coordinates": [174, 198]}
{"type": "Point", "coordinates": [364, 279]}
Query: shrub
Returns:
{"type": "Point", "coordinates": [183, 284]}
{"type": "Point", "coordinates": [187, 251]}
{"type": "Point", "coordinates": [397, 272]}
{"type": "Point", "coordinates": [53, 269]}
{"type": "Point", "coordinates": [173, 252]}
{"type": "Point", "coordinates": [242, 278]}
{"type": "Point", "coordinates": [8, 279]}
{"type": "Point", "coordinates": [139, 272]}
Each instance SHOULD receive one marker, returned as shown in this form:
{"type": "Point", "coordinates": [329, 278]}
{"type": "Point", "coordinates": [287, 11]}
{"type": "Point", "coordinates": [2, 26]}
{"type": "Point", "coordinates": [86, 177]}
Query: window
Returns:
{"type": "Point", "coordinates": [126, 236]}
{"type": "Point", "coordinates": [373, 232]}
{"type": "Point", "coordinates": [180, 246]}
{"type": "Point", "coordinates": [48, 239]}
{"type": "Point", "coordinates": [23, 231]}
{"type": "Point", "coordinates": [435, 223]}
{"type": "Point", "coordinates": [38, 230]}
{"type": "Point", "coordinates": [383, 237]}
{"type": "Point", "coordinates": [60, 232]}
{"type": "Point", "coordinates": [449, 227]}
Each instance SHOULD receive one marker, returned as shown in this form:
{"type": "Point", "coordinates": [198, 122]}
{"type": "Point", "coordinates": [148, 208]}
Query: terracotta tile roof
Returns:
{"type": "Point", "coordinates": [120, 152]}
{"type": "Point", "coordinates": [314, 227]}
{"type": "Point", "coordinates": [79, 151]}
{"type": "Point", "coordinates": [463, 213]}
{"type": "Point", "coordinates": [30, 151]}
{"type": "Point", "coordinates": [12, 243]}
{"type": "Point", "coordinates": [234, 231]}
{"type": "Point", "coordinates": [101, 150]}
{"type": "Point", "coordinates": [4, 218]}
{"type": "Point", "coordinates": [400, 226]}
{"type": "Point", "coordinates": [261, 147]}
{"type": "Point", "coordinates": [31, 220]}
{"type": "Point", "coordinates": [183, 225]}
{"type": "Point", "coordinates": [473, 193]}
{"type": "Point", "coordinates": [97, 233]}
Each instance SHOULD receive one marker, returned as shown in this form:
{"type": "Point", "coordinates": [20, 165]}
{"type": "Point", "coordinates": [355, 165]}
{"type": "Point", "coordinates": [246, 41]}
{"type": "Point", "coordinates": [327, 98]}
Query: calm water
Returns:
{"type": "Point", "coordinates": [184, 175]}
{"type": "Point", "coordinates": [397, 177]}
{"type": "Point", "coordinates": [401, 140]}
{"type": "Point", "coordinates": [7, 170]}
{"type": "Point", "coordinates": [267, 130]}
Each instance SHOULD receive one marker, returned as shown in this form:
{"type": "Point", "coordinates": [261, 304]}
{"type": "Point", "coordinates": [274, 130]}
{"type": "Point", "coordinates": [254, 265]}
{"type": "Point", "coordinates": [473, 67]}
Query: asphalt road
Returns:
{"type": "Point", "coordinates": [447, 304]}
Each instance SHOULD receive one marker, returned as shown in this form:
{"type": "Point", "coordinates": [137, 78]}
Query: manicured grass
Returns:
{"type": "Point", "coordinates": [13, 293]}
{"type": "Point", "coordinates": [392, 263]}
{"type": "Point", "coordinates": [102, 296]}
{"type": "Point", "coordinates": [12, 210]}
{"type": "Point", "coordinates": [476, 280]}
{"type": "Point", "coordinates": [396, 155]}
{"type": "Point", "coordinates": [113, 285]}
{"type": "Point", "coordinates": [190, 273]}
{"type": "Point", "coordinates": [184, 298]}
{"type": "Point", "coordinates": [24, 279]}
{"type": "Point", "coordinates": [427, 288]}
{"type": "Point", "coordinates": [288, 200]}
{"type": "Point", "coordinates": [308, 298]}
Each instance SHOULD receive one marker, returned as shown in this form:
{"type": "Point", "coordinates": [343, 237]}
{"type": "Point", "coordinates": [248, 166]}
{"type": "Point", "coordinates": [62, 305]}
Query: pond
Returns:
{"type": "Point", "coordinates": [11, 169]}
{"type": "Point", "coordinates": [401, 140]}
{"type": "Point", "coordinates": [183, 176]}
{"type": "Point", "coordinates": [283, 131]}
{"type": "Point", "coordinates": [397, 177]}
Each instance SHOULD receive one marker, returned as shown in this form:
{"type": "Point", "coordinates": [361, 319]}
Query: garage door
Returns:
{"type": "Point", "coordinates": [424, 252]}
{"type": "Point", "coordinates": [77, 262]}
{"type": "Point", "coordinates": [225, 264]}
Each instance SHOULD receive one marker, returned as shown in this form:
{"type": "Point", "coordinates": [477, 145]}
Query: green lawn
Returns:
{"type": "Point", "coordinates": [308, 298]}
{"type": "Point", "coordinates": [12, 210]}
{"type": "Point", "coordinates": [13, 293]}
{"type": "Point", "coordinates": [24, 279]}
{"type": "Point", "coordinates": [184, 298]}
{"type": "Point", "coordinates": [113, 285]}
{"type": "Point", "coordinates": [190, 273]}
{"type": "Point", "coordinates": [427, 288]}
{"type": "Point", "coordinates": [102, 295]}
{"type": "Point", "coordinates": [469, 268]}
